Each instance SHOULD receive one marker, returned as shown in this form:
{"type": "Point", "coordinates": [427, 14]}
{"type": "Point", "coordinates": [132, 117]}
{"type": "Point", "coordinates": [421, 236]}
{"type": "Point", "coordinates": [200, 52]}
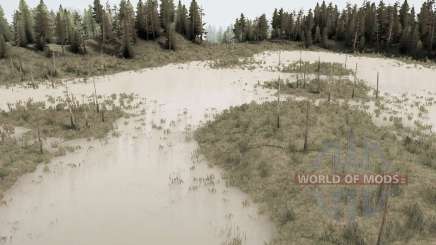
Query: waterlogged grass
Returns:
{"type": "Point", "coordinates": [25, 65]}
{"type": "Point", "coordinates": [263, 160]}
{"type": "Point", "coordinates": [20, 154]}
{"type": "Point", "coordinates": [322, 68]}
{"type": "Point", "coordinates": [340, 88]}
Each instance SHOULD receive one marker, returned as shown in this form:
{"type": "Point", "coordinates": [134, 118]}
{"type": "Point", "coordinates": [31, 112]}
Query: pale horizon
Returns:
{"type": "Point", "coordinates": [217, 13]}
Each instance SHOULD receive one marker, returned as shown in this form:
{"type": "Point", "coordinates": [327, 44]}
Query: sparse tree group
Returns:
{"type": "Point", "coordinates": [113, 27]}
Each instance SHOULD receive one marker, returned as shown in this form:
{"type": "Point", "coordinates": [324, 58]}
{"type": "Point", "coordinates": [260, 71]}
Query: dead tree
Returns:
{"type": "Point", "coordinates": [354, 83]}
{"type": "Point", "coordinates": [102, 113]}
{"type": "Point", "coordinates": [40, 141]}
{"type": "Point", "coordinates": [95, 97]}
{"type": "Point", "coordinates": [377, 91]}
{"type": "Point", "coordinates": [306, 131]}
{"type": "Point", "coordinates": [329, 83]}
{"type": "Point", "coordinates": [346, 60]}
{"type": "Point", "coordinates": [385, 214]}
{"type": "Point", "coordinates": [319, 75]}
{"type": "Point", "coordinates": [70, 109]}
{"type": "Point", "coordinates": [278, 96]}
{"type": "Point", "coordinates": [54, 73]}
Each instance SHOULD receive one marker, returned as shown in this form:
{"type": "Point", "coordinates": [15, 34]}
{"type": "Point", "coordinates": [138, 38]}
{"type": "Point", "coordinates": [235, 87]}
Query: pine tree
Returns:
{"type": "Point", "coordinates": [20, 37]}
{"type": "Point", "coordinates": [42, 25]}
{"type": "Point", "coordinates": [167, 13]}
{"type": "Point", "coordinates": [61, 32]}
{"type": "Point", "coordinates": [171, 37]}
{"type": "Point", "coordinates": [90, 26]}
{"type": "Point", "coordinates": [3, 47]}
{"type": "Point", "coordinates": [26, 16]}
{"type": "Point", "coordinates": [317, 35]}
{"type": "Point", "coordinates": [77, 42]}
{"type": "Point", "coordinates": [107, 27]}
{"type": "Point", "coordinates": [5, 29]}
{"type": "Point", "coordinates": [181, 19]}
{"type": "Point", "coordinates": [98, 11]}
{"type": "Point", "coordinates": [140, 20]}
{"type": "Point", "coordinates": [152, 20]}
{"type": "Point", "coordinates": [325, 38]}
{"type": "Point", "coordinates": [404, 14]}
{"type": "Point", "coordinates": [126, 33]}
{"type": "Point", "coordinates": [309, 23]}
{"type": "Point", "coordinates": [196, 22]}
{"type": "Point", "coordinates": [262, 26]}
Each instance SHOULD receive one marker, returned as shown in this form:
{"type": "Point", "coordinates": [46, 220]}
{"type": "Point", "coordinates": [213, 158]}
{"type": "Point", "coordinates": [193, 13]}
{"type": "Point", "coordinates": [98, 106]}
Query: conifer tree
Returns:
{"type": "Point", "coordinates": [325, 37]}
{"type": "Point", "coordinates": [90, 26]}
{"type": "Point", "coordinates": [5, 29]}
{"type": "Point", "coordinates": [61, 31]}
{"type": "Point", "coordinates": [405, 14]}
{"type": "Point", "coordinates": [27, 19]}
{"type": "Point", "coordinates": [308, 29]}
{"type": "Point", "coordinates": [126, 33]}
{"type": "Point", "coordinates": [152, 20]}
{"type": "Point", "coordinates": [98, 11]}
{"type": "Point", "coordinates": [20, 37]}
{"type": "Point", "coordinates": [262, 27]}
{"type": "Point", "coordinates": [171, 37]}
{"type": "Point", "coordinates": [196, 22]}
{"type": "Point", "coordinates": [3, 47]}
{"type": "Point", "coordinates": [107, 27]}
{"type": "Point", "coordinates": [181, 19]}
{"type": "Point", "coordinates": [167, 13]}
{"type": "Point", "coordinates": [140, 19]}
{"type": "Point", "coordinates": [42, 25]}
{"type": "Point", "coordinates": [317, 35]}
{"type": "Point", "coordinates": [275, 24]}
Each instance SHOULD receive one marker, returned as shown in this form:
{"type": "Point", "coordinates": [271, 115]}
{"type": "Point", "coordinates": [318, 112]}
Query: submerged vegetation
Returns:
{"type": "Point", "coordinates": [24, 65]}
{"type": "Point", "coordinates": [40, 125]}
{"type": "Point", "coordinates": [327, 128]}
{"type": "Point", "coordinates": [263, 160]}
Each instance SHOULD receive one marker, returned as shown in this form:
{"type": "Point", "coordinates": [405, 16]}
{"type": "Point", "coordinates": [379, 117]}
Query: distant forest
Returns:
{"type": "Point", "coordinates": [114, 27]}
{"type": "Point", "coordinates": [396, 28]}
{"type": "Point", "coordinates": [371, 27]}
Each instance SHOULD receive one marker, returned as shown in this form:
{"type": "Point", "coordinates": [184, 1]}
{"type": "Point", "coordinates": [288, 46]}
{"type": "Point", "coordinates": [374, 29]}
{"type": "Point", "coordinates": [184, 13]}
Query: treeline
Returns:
{"type": "Point", "coordinates": [375, 27]}
{"type": "Point", "coordinates": [116, 28]}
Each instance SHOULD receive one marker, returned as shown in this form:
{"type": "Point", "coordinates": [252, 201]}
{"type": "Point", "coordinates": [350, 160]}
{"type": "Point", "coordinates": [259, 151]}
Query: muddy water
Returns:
{"type": "Point", "coordinates": [145, 185]}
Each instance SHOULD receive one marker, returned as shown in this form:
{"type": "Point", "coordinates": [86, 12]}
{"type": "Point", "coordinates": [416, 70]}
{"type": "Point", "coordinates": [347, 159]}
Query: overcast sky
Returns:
{"type": "Point", "coordinates": [218, 12]}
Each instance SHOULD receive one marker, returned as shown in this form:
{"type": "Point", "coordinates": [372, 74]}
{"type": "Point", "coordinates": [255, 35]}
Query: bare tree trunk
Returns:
{"type": "Point", "coordinates": [32, 80]}
{"type": "Point", "coordinates": [102, 115]}
{"type": "Point", "coordinates": [328, 84]}
{"type": "Point", "coordinates": [346, 60]}
{"type": "Point", "coordinates": [306, 131]}
{"type": "Point", "coordinates": [95, 97]}
{"type": "Point", "coordinates": [304, 76]}
{"type": "Point", "coordinates": [355, 42]}
{"type": "Point", "coordinates": [376, 93]}
{"type": "Point", "coordinates": [385, 214]}
{"type": "Point", "coordinates": [319, 75]}
{"type": "Point", "coordinates": [40, 141]}
{"type": "Point", "coordinates": [354, 83]}
{"type": "Point", "coordinates": [54, 63]}
{"type": "Point", "coordinates": [278, 96]}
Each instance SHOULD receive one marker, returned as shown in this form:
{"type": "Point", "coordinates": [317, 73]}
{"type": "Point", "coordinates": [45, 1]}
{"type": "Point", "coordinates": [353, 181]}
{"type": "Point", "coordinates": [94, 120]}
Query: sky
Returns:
{"type": "Point", "coordinates": [219, 13]}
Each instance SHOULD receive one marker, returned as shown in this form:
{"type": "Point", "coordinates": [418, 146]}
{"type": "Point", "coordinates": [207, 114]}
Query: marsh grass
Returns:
{"type": "Point", "coordinates": [24, 65]}
{"type": "Point", "coordinates": [323, 68]}
{"type": "Point", "coordinates": [22, 155]}
{"type": "Point", "coordinates": [262, 160]}
{"type": "Point", "coordinates": [334, 88]}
